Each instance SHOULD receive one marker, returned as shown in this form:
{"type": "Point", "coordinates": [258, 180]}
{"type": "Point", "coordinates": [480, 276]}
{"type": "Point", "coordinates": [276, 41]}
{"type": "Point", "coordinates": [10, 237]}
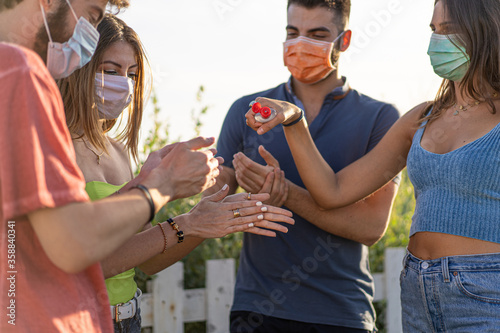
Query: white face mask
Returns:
{"type": "Point", "coordinates": [64, 58]}
{"type": "Point", "coordinates": [113, 94]}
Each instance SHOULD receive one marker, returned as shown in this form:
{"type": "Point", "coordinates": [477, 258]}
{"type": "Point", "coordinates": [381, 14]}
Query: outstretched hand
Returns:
{"type": "Point", "coordinates": [285, 114]}
{"type": "Point", "coordinates": [219, 215]}
{"type": "Point", "coordinates": [256, 178]}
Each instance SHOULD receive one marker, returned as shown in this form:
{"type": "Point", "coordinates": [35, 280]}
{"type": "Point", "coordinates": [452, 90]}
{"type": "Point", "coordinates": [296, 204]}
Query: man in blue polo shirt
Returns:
{"type": "Point", "coordinates": [315, 278]}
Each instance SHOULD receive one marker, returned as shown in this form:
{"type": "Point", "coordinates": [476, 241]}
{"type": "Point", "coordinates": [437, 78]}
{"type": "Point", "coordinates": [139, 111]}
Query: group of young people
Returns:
{"type": "Point", "coordinates": [332, 156]}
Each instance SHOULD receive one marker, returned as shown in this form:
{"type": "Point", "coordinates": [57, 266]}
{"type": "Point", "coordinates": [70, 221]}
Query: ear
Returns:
{"type": "Point", "coordinates": [345, 40]}
{"type": "Point", "coordinates": [49, 5]}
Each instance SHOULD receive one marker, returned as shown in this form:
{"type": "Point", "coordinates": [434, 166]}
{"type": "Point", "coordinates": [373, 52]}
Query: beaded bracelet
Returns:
{"type": "Point", "coordinates": [148, 196]}
{"type": "Point", "coordinates": [180, 233]}
{"type": "Point", "coordinates": [296, 120]}
{"type": "Point", "coordinates": [164, 238]}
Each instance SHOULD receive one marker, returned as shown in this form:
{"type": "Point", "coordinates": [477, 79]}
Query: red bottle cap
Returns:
{"type": "Point", "coordinates": [256, 107]}
{"type": "Point", "coordinates": [265, 112]}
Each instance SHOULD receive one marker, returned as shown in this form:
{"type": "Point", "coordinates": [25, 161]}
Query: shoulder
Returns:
{"type": "Point", "coordinates": [119, 148]}
{"type": "Point", "coordinates": [370, 103]}
{"type": "Point", "coordinates": [121, 151]}
{"type": "Point", "coordinates": [29, 83]}
{"type": "Point", "coordinates": [118, 145]}
{"type": "Point", "coordinates": [374, 113]}
{"type": "Point", "coordinates": [410, 121]}
{"type": "Point", "coordinates": [417, 113]}
{"type": "Point", "coordinates": [17, 59]}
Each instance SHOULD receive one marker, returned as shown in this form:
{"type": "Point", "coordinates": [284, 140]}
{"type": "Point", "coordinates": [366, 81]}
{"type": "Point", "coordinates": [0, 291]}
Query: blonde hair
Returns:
{"type": "Point", "coordinates": [78, 91]}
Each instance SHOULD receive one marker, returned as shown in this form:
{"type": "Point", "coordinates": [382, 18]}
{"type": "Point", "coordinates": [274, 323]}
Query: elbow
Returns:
{"type": "Point", "coordinates": [147, 270]}
{"type": "Point", "coordinates": [375, 234]}
{"type": "Point", "coordinates": [324, 203]}
{"type": "Point", "coordinates": [72, 260]}
{"type": "Point", "coordinates": [371, 240]}
{"type": "Point", "coordinates": [152, 267]}
{"type": "Point", "coordinates": [70, 266]}
{"type": "Point", "coordinates": [327, 201]}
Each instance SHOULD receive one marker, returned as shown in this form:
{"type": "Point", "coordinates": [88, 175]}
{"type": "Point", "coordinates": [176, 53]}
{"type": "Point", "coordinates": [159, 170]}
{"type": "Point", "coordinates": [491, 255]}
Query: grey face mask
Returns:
{"type": "Point", "coordinates": [113, 94]}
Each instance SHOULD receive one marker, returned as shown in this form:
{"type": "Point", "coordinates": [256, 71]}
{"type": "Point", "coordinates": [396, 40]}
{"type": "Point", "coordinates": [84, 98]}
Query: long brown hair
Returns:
{"type": "Point", "coordinates": [78, 91]}
{"type": "Point", "coordinates": [478, 24]}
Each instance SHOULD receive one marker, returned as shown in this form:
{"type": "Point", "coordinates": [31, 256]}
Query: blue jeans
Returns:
{"type": "Point", "coordinates": [451, 294]}
{"type": "Point", "coordinates": [130, 325]}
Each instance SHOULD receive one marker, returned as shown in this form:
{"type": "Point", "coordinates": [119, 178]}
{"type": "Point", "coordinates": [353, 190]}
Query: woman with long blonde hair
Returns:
{"type": "Point", "coordinates": [94, 98]}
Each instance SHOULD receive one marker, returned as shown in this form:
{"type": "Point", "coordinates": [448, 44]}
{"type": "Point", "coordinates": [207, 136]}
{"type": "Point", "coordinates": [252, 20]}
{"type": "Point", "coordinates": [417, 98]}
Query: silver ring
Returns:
{"type": "Point", "coordinates": [251, 225]}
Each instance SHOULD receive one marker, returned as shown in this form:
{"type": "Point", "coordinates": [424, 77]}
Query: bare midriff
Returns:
{"type": "Point", "coordinates": [433, 245]}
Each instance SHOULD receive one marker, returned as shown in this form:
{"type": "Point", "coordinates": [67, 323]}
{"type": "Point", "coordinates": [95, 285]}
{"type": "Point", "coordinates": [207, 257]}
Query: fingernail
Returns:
{"type": "Point", "coordinates": [260, 131]}
{"type": "Point", "coordinates": [224, 187]}
{"type": "Point", "coordinates": [259, 203]}
{"type": "Point", "coordinates": [286, 231]}
{"type": "Point", "coordinates": [260, 217]}
{"type": "Point", "coordinates": [263, 209]}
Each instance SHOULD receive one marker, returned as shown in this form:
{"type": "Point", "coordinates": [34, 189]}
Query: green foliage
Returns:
{"type": "Point", "coordinates": [230, 246]}
{"type": "Point", "coordinates": [196, 115]}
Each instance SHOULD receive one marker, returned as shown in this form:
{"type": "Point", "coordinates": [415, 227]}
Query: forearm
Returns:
{"type": "Point", "coordinates": [364, 222]}
{"type": "Point", "coordinates": [175, 253]}
{"type": "Point", "coordinates": [315, 172]}
{"type": "Point", "coordinates": [79, 234]}
{"type": "Point", "coordinates": [138, 250]}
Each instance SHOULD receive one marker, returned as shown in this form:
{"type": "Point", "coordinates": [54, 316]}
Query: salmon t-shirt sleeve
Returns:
{"type": "Point", "coordinates": [38, 166]}
{"type": "Point", "coordinates": [38, 170]}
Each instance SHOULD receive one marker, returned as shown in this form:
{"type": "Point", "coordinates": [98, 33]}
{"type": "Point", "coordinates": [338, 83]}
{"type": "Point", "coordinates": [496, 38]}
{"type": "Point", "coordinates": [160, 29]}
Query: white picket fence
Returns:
{"type": "Point", "coordinates": [168, 306]}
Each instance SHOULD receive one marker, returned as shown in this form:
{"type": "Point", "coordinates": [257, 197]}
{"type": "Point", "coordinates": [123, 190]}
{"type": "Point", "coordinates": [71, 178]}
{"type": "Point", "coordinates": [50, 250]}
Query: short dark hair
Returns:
{"type": "Point", "coordinates": [8, 4]}
{"type": "Point", "coordinates": [342, 8]}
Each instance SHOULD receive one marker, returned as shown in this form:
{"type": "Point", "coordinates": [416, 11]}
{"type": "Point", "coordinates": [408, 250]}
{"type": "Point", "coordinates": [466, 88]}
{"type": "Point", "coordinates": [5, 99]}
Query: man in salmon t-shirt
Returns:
{"type": "Point", "coordinates": [51, 237]}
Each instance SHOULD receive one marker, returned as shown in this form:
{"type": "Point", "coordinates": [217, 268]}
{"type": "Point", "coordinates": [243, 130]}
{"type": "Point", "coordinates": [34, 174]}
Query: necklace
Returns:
{"type": "Point", "coordinates": [462, 108]}
{"type": "Point", "coordinates": [96, 154]}
{"type": "Point", "coordinates": [459, 108]}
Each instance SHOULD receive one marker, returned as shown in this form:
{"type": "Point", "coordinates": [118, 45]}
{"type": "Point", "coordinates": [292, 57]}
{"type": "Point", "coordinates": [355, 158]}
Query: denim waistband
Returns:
{"type": "Point", "coordinates": [490, 261]}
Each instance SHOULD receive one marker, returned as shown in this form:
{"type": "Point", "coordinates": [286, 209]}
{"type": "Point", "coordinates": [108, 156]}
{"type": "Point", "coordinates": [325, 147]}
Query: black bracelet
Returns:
{"type": "Point", "coordinates": [148, 196]}
{"type": "Point", "coordinates": [175, 226]}
{"type": "Point", "coordinates": [296, 120]}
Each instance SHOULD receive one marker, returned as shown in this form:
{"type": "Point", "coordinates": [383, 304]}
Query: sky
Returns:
{"type": "Point", "coordinates": [235, 47]}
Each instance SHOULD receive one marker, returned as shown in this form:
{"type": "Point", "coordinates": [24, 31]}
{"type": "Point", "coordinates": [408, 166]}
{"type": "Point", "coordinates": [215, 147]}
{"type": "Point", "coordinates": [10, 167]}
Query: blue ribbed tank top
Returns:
{"type": "Point", "coordinates": [457, 193]}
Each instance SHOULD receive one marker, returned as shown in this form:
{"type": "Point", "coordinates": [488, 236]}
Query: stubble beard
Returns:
{"type": "Point", "coordinates": [57, 27]}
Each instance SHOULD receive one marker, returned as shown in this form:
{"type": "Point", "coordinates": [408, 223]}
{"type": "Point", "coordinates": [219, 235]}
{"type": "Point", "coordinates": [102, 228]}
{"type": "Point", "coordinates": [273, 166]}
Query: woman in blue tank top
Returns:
{"type": "Point", "coordinates": [451, 146]}
{"type": "Point", "coordinates": [94, 97]}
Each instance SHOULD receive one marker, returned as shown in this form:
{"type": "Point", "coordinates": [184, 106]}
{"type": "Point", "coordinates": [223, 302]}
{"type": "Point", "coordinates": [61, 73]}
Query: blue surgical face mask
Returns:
{"type": "Point", "coordinates": [448, 58]}
{"type": "Point", "coordinates": [64, 58]}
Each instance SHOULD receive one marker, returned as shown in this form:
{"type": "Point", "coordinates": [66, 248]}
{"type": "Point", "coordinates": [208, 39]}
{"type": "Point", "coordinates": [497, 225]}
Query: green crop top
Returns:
{"type": "Point", "coordinates": [122, 287]}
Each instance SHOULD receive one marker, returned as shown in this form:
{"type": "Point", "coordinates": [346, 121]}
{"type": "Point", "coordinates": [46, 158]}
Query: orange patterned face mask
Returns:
{"type": "Point", "coordinates": [309, 60]}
